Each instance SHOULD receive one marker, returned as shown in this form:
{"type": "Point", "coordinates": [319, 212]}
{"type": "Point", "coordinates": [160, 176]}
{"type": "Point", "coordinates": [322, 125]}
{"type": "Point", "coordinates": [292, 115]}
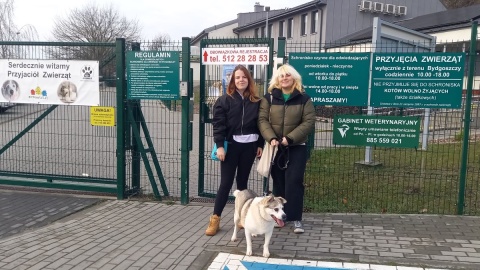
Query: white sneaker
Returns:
{"type": "Point", "coordinates": [298, 227]}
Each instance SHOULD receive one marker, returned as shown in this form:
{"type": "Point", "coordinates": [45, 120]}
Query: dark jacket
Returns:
{"type": "Point", "coordinates": [293, 119]}
{"type": "Point", "coordinates": [233, 115]}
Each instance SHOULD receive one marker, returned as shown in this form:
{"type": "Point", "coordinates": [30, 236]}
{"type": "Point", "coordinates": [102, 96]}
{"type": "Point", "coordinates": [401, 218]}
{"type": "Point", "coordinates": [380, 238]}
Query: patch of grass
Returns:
{"type": "Point", "coordinates": [459, 136]}
{"type": "Point", "coordinates": [407, 181]}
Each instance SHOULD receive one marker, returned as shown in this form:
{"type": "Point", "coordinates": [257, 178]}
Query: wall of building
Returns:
{"type": "Point", "coordinates": [224, 31]}
{"type": "Point", "coordinates": [344, 17]}
{"type": "Point", "coordinates": [337, 19]}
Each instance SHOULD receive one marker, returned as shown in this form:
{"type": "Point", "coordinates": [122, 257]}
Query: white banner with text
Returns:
{"type": "Point", "coordinates": [60, 82]}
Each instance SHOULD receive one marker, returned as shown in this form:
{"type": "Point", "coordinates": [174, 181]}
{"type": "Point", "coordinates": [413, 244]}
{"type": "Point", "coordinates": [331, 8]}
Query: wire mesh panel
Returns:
{"type": "Point", "coordinates": [425, 179]}
{"type": "Point", "coordinates": [472, 185]}
{"type": "Point", "coordinates": [212, 85]}
{"type": "Point", "coordinates": [163, 121]}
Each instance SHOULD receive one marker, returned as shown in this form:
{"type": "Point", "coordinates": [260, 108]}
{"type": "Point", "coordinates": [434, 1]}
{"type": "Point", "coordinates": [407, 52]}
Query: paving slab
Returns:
{"type": "Point", "coordinates": [21, 211]}
{"type": "Point", "coordinates": [131, 234]}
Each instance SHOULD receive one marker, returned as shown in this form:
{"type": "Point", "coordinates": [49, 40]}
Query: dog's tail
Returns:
{"type": "Point", "coordinates": [235, 193]}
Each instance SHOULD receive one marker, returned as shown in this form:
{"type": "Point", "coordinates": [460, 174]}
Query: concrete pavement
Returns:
{"type": "Point", "coordinates": [151, 235]}
{"type": "Point", "coordinates": [20, 211]}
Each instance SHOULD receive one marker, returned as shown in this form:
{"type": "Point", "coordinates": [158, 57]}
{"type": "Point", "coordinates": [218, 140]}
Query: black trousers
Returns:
{"type": "Point", "coordinates": [288, 182]}
{"type": "Point", "coordinates": [239, 160]}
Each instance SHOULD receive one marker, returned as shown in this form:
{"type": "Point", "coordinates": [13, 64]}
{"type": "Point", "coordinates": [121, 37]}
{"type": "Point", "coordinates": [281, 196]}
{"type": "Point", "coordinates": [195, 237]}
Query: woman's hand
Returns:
{"type": "Point", "coordinates": [221, 154]}
{"type": "Point", "coordinates": [284, 141]}
{"type": "Point", "coordinates": [274, 142]}
{"type": "Point", "coordinates": [259, 152]}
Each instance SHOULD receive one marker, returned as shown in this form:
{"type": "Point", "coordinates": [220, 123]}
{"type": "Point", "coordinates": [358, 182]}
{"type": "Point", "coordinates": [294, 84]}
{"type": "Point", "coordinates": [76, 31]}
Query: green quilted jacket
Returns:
{"type": "Point", "coordinates": [294, 118]}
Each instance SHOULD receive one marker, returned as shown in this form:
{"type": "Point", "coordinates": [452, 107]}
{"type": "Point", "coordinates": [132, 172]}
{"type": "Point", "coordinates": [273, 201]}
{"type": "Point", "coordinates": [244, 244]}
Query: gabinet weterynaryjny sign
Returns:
{"type": "Point", "coordinates": [60, 82]}
{"type": "Point", "coordinates": [375, 130]}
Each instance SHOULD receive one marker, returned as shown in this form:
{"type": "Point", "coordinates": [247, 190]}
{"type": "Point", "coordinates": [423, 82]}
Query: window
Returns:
{"type": "Point", "coordinates": [303, 25]}
{"type": "Point", "coordinates": [270, 28]}
{"type": "Point", "coordinates": [263, 31]}
{"type": "Point", "coordinates": [313, 27]}
{"type": "Point", "coordinates": [280, 28]}
{"type": "Point", "coordinates": [289, 28]}
{"type": "Point", "coordinates": [256, 33]}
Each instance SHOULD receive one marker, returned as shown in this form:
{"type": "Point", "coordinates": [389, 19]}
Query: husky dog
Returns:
{"type": "Point", "coordinates": [257, 215]}
{"type": "Point", "coordinates": [10, 90]}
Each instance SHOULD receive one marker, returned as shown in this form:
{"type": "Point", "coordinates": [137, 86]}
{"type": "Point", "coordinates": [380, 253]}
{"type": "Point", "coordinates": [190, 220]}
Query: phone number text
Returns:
{"type": "Point", "coordinates": [384, 140]}
{"type": "Point", "coordinates": [245, 58]}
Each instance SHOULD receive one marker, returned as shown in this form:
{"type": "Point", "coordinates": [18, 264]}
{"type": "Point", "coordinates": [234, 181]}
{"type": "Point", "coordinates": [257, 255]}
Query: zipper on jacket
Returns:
{"type": "Point", "coordinates": [284, 114]}
{"type": "Point", "coordinates": [243, 115]}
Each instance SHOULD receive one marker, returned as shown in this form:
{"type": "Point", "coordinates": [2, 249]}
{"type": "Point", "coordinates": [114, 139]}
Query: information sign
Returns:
{"type": "Point", "coordinates": [334, 78]}
{"type": "Point", "coordinates": [102, 116]}
{"type": "Point", "coordinates": [417, 80]}
{"type": "Point", "coordinates": [153, 75]}
{"type": "Point", "coordinates": [384, 131]}
{"type": "Point", "coordinates": [236, 56]}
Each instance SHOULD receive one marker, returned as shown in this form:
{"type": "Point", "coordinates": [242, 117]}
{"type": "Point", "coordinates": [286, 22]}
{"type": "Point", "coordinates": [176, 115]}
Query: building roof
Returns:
{"type": "Point", "coordinates": [210, 29]}
{"type": "Point", "coordinates": [249, 19]}
{"type": "Point", "coordinates": [275, 15]}
{"type": "Point", "coordinates": [434, 22]}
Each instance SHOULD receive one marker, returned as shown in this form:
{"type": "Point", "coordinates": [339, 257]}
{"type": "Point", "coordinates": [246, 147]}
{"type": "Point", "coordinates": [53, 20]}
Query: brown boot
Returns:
{"type": "Point", "coordinates": [213, 226]}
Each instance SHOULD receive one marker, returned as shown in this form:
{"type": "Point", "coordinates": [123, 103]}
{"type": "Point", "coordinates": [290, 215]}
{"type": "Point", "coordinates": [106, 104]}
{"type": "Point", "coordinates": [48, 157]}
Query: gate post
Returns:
{"type": "Point", "coordinates": [132, 143]}
{"type": "Point", "coordinates": [466, 123]}
{"type": "Point", "coordinates": [186, 121]}
{"type": "Point", "coordinates": [270, 62]}
{"type": "Point", "coordinates": [121, 96]}
{"type": "Point", "coordinates": [281, 42]}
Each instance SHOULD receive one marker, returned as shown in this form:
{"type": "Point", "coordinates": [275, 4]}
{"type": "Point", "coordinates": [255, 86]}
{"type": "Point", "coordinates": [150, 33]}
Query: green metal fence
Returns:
{"type": "Point", "coordinates": [441, 179]}
{"type": "Point", "coordinates": [55, 146]}
{"type": "Point", "coordinates": [148, 152]}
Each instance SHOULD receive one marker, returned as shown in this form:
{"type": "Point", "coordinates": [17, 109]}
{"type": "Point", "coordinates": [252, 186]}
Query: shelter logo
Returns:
{"type": "Point", "coordinates": [38, 93]}
{"type": "Point", "coordinates": [87, 72]}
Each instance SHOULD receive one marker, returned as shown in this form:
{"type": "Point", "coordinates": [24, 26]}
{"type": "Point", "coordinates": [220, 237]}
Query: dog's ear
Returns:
{"type": "Point", "coordinates": [282, 200]}
{"type": "Point", "coordinates": [269, 198]}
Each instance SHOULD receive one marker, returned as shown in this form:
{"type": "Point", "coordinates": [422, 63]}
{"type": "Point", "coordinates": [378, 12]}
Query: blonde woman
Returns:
{"type": "Point", "coordinates": [286, 118]}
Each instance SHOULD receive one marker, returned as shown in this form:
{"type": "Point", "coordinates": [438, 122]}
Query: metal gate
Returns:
{"type": "Point", "coordinates": [211, 87]}
{"type": "Point", "coordinates": [56, 146]}
{"type": "Point", "coordinates": [158, 135]}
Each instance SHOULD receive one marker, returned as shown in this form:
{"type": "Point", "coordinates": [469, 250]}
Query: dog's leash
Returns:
{"type": "Point", "coordinates": [266, 182]}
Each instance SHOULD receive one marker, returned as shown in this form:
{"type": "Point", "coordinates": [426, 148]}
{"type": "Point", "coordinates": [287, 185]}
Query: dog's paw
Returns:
{"type": "Point", "coordinates": [233, 239]}
{"type": "Point", "coordinates": [254, 235]}
{"type": "Point", "coordinates": [266, 254]}
{"type": "Point", "coordinates": [249, 252]}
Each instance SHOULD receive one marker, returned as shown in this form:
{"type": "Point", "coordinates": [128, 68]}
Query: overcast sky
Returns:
{"type": "Point", "coordinates": [177, 18]}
